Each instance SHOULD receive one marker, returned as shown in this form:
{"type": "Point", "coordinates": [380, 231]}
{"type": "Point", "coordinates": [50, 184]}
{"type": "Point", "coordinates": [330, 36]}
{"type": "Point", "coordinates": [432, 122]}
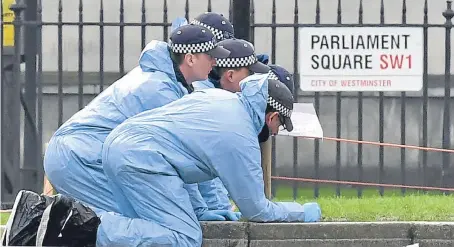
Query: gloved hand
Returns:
{"type": "Point", "coordinates": [263, 58]}
{"type": "Point", "coordinates": [220, 215]}
{"type": "Point", "coordinates": [312, 212]}
{"type": "Point", "coordinates": [178, 22]}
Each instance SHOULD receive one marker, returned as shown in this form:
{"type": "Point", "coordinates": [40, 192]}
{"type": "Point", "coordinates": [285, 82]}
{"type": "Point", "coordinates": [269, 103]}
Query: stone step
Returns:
{"type": "Point", "coordinates": [346, 234]}
{"type": "Point", "coordinates": [327, 234]}
{"type": "Point", "coordinates": [328, 243]}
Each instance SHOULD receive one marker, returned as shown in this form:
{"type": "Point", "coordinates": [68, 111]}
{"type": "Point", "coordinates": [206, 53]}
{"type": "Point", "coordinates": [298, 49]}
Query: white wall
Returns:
{"type": "Point", "coordinates": [285, 14]}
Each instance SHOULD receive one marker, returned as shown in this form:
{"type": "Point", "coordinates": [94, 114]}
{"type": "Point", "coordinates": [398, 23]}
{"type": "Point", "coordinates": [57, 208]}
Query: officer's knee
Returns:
{"type": "Point", "coordinates": [199, 238]}
{"type": "Point", "coordinates": [195, 240]}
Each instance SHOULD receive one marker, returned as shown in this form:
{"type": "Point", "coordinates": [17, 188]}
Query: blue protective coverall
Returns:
{"type": "Point", "coordinates": [206, 134]}
{"type": "Point", "coordinates": [208, 83]}
{"type": "Point", "coordinates": [213, 192]}
{"type": "Point", "coordinates": [73, 158]}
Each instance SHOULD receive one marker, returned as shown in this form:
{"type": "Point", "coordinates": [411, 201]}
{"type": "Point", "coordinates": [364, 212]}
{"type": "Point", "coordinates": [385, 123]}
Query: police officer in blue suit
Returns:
{"type": "Point", "coordinates": [217, 23]}
{"type": "Point", "coordinates": [213, 192]}
{"type": "Point", "coordinates": [240, 63]}
{"type": "Point", "coordinates": [209, 133]}
{"type": "Point", "coordinates": [223, 30]}
{"type": "Point", "coordinates": [278, 72]}
{"type": "Point", "coordinates": [165, 72]}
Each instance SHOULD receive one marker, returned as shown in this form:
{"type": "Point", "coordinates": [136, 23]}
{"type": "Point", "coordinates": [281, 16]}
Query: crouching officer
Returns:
{"type": "Point", "coordinates": [73, 161]}
{"type": "Point", "coordinates": [223, 30]}
{"type": "Point", "coordinates": [241, 63]}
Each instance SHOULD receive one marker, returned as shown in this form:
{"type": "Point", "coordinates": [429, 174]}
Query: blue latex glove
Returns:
{"type": "Point", "coordinates": [263, 58]}
{"type": "Point", "coordinates": [312, 212]}
{"type": "Point", "coordinates": [178, 22]}
{"type": "Point", "coordinates": [220, 215]}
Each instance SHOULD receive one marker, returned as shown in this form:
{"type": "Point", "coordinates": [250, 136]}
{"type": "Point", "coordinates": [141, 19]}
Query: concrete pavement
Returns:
{"type": "Point", "coordinates": [329, 234]}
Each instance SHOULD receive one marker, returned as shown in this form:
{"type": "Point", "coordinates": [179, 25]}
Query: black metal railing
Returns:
{"type": "Point", "coordinates": [446, 125]}
{"type": "Point", "coordinates": [26, 88]}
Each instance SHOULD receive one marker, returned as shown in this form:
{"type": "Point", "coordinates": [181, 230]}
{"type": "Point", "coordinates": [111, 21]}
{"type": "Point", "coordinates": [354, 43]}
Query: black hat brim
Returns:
{"type": "Point", "coordinates": [219, 52]}
{"type": "Point", "coordinates": [259, 67]}
{"type": "Point", "coordinates": [288, 124]}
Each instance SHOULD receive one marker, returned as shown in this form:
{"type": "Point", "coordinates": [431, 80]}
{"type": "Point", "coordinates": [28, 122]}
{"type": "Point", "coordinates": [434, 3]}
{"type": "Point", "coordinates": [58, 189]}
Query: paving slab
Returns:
{"type": "Point", "coordinates": [433, 230]}
{"type": "Point", "coordinates": [228, 230]}
{"type": "Point", "coordinates": [225, 243]}
{"type": "Point", "coordinates": [331, 243]}
{"type": "Point", "coordinates": [327, 234]}
{"type": "Point", "coordinates": [435, 243]}
{"type": "Point", "coordinates": [329, 230]}
{"type": "Point", "coordinates": [225, 234]}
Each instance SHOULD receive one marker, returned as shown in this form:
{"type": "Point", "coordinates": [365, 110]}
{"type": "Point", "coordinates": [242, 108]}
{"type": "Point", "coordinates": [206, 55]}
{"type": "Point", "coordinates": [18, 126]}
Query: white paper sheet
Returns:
{"type": "Point", "coordinates": [305, 122]}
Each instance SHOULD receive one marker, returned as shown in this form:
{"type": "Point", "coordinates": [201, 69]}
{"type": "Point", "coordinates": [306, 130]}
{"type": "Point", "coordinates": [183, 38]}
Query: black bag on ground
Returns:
{"type": "Point", "coordinates": [25, 219]}
{"type": "Point", "coordinates": [68, 223]}
{"type": "Point", "coordinates": [52, 221]}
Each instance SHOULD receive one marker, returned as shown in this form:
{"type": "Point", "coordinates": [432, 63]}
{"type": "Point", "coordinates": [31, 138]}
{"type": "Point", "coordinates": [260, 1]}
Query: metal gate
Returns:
{"type": "Point", "coordinates": [23, 80]}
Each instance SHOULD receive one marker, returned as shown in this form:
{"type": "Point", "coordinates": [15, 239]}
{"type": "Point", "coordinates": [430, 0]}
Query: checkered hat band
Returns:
{"type": "Point", "coordinates": [279, 107]}
{"type": "Point", "coordinates": [192, 48]}
{"type": "Point", "coordinates": [236, 62]}
{"type": "Point", "coordinates": [272, 76]}
{"type": "Point", "coordinates": [217, 33]}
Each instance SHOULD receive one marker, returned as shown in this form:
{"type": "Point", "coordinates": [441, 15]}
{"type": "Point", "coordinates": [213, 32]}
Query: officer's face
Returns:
{"type": "Point", "coordinates": [230, 79]}
{"type": "Point", "coordinates": [201, 65]}
{"type": "Point", "coordinates": [273, 122]}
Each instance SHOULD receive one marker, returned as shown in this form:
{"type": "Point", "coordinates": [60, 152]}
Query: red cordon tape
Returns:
{"type": "Point", "coordinates": [370, 184]}
{"type": "Point", "coordinates": [311, 180]}
{"type": "Point", "coordinates": [386, 144]}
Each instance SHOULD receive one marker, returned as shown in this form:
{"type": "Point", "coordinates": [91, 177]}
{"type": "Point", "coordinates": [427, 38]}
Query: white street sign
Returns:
{"type": "Point", "coordinates": [361, 58]}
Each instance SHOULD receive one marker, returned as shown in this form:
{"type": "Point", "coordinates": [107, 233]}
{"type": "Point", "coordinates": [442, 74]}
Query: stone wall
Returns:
{"type": "Point", "coordinates": [368, 234]}
{"type": "Point", "coordinates": [330, 234]}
